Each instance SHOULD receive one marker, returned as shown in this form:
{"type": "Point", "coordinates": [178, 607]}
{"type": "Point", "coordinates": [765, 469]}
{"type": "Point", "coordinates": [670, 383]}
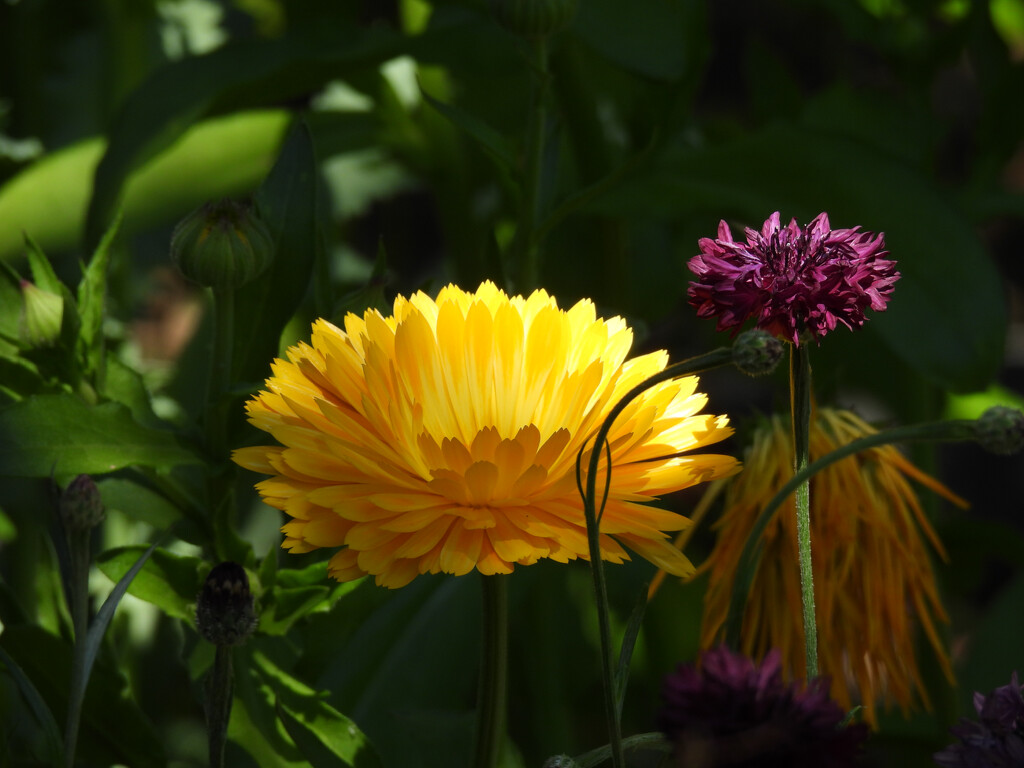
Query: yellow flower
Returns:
{"type": "Point", "coordinates": [444, 438]}
{"type": "Point", "coordinates": [873, 580]}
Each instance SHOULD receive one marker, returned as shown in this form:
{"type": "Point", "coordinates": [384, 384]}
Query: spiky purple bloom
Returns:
{"type": "Point", "coordinates": [792, 279]}
{"type": "Point", "coordinates": [731, 712]}
{"type": "Point", "coordinates": [996, 740]}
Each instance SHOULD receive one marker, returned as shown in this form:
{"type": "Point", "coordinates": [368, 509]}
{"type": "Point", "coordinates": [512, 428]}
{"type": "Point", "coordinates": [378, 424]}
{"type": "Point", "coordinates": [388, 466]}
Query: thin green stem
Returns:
{"type": "Point", "coordinates": [936, 431]}
{"type": "Point", "coordinates": [714, 359]}
{"type": "Point", "coordinates": [800, 407]}
{"type": "Point", "coordinates": [218, 704]}
{"type": "Point", "coordinates": [220, 371]}
{"type": "Point", "coordinates": [79, 554]}
{"type": "Point", "coordinates": [492, 695]}
{"type": "Point", "coordinates": [525, 245]}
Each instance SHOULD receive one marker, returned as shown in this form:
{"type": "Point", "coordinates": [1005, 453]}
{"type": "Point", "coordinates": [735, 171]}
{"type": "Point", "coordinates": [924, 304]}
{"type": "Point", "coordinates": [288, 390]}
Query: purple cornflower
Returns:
{"type": "Point", "coordinates": [792, 279]}
{"type": "Point", "coordinates": [996, 739]}
{"type": "Point", "coordinates": [730, 712]}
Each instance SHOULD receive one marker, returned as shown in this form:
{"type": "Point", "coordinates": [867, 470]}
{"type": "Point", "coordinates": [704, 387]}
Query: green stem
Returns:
{"type": "Point", "coordinates": [936, 431]}
{"type": "Point", "coordinates": [220, 371]}
{"type": "Point", "coordinates": [218, 704]}
{"type": "Point", "coordinates": [494, 672]}
{"type": "Point", "coordinates": [78, 551]}
{"type": "Point", "coordinates": [525, 245]}
{"type": "Point", "coordinates": [714, 359]}
{"type": "Point", "coordinates": [800, 407]}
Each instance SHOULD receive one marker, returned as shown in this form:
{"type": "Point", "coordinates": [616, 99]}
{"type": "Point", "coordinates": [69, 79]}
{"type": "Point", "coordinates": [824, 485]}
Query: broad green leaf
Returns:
{"type": "Point", "coordinates": [125, 385]}
{"type": "Point", "coordinates": [219, 157]}
{"type": "Point", "coordinates": [946, 274]}
{"type": "Point", "coordinates": [44, 434]}
{"type": "Point", "coordinates": [169, 581]}
{"type": "Point", "coordinates": [290, 605]}
{"type": "Point", "coordinates": [243, 73]}
{"type": "Point", "coordinates": [254, 724]}
{"type": "Point", "coordinates": [114, 730]}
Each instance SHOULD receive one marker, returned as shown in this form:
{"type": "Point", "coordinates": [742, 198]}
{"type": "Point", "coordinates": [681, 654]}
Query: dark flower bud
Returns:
{"type": "Point", "coordinates": [41, 315]}
{"type": "Point", "coordinates": [222, 245]}
{"type": "Point", "coordinates": [225, 612]}
{"type": "Point", "coordinates": [81, 508]}
{"type": "Point", "coordinates": [560, 761]}
{"type": "Point", "coordinates": [533, 18]}
{"type": "Point", "coordinates": [1000, 430]}
{"type": "Point", "coordinates": [756, 352]}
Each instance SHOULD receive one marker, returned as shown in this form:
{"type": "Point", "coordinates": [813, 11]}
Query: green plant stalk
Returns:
{"type": "Point", "coordinates": [492, 695]}
{"type": "Point", "coordinates": [935, 431]}
{"type": "Point", "coordinates": [219, 486]}
{"type": "Point", "coordinates": [525, 245]}
{"type": "Point", "coordinates": [800, 408]}
{"type": "Point", "coordinates": [78, 600]}
{"type": "Point", "coordinates": [714, 359]}
{"type": "Point", "coordinates": [218, 704]}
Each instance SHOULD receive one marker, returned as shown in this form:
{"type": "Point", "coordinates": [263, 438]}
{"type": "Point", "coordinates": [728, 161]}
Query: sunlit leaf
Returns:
{"type": "Point", "coordinates": [169, 581]}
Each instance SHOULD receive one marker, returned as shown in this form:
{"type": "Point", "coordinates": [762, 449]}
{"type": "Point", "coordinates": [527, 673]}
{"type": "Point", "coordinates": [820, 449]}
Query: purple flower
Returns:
{"type": "Point", "coordinates": [792, 279]}
{"type": "Point", "coordinates": [730, 712]}
{"type": "Point", "coordinates": [996, 740]}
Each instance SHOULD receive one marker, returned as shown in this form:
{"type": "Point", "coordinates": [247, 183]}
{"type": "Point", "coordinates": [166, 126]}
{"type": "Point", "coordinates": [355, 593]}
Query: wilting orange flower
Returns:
{"type": "Point", "coordinates": [444, 438]}
{"type": "Point", "coordinates": [873, 580]}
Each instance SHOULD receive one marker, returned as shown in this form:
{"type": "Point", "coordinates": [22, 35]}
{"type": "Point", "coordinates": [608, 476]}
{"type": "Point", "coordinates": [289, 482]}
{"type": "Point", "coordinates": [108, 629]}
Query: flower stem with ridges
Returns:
{"type": "Point", "coordinates": [493, 673]}
{"type": "Point", "coordinates": [78, 549]}
{"type": "Point", "coordinates": [800, 405]}
{"type": "Point", "coordinates": [714, 359]}
{"type": "Point", "coordinates": [218, 704]}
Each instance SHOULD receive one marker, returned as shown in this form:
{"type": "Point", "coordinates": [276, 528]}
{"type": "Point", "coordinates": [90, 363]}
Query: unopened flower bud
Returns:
{"type": "Point", "coordinates": [1000, 430]}
{"type": "Point", "coordinates": [756, 352]}
{"type": "Point", "coordinates": [41, 316]}
{"type": "Point", "coordinates": [533, 18]}
{"type": "Point", "coordinates": [560, 761]}
{"type": "Point", "coordinates": [225, 613]}
{"type": "Point", "coordinates": [81, 508]}
{"type": "Point", "coordinates": [222, 245]}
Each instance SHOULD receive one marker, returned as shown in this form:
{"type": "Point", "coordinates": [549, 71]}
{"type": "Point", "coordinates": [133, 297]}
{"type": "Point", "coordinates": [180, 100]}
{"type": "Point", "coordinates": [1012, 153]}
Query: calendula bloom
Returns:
{"type": "Point", "coordinates": [996, 739]}
{"type": "Point", "coordinates": [731, 713]}
{"type": "Point", "coordinates": [873, 580]}
{"type": "Point", "coordinates": [792, 279]}
{"type": "Point", "coordinates": [444, 438]}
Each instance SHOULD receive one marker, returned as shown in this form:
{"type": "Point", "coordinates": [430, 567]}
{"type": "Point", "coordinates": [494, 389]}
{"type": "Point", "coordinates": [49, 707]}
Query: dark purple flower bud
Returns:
{"type": "Point", "coordinates": [225, 613]}
{"type": "Point", "coordinates": [731, 712]}
{"type": "Point", "coordinates": [792, 280]}
{"type": "Point", "coordinates": [1000, 430]}
{"type": "Point", "coordinates": [996, 739]}
{"type": "Point", "coordinates": [81, 508]}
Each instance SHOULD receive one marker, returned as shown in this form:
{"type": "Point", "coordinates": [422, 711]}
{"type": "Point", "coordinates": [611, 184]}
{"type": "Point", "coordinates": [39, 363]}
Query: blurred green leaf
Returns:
{"type": "Point", "coordinates": [633, 626]}
{"type": "Point", "coordinates": [493, 142]}
{"type": "Point", "coordinates": [42, 271]}
{"type": "Point", "coordinates": [59, 433]}
{"type": "Point", "coordinates": [219, 157]}
{"type": "Point", "coordinates": [169, 581]}
{"type": "Point", "coordinates": [54, 744]}
{"type": "Point", "coordinates": [946, 274]}
{"type": "Point", "coordinates": [92, 297]}
{"type": "Point", "coordinates": [290, 605]}
{"type": "Point", "coordinates": [114, 730]}
{"type": "Point", "coordinates": [138, 502]}
{"type": "Point", "coordinates": [125, 385]}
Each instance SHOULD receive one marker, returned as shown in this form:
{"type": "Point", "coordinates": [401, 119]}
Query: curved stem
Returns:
{"type": "Point", "coordinates": [492, 695]}
{"type": "Point", "coordinates": [936, 431]}
{"type": "Point", "coordinates": [800, 409]}
{"type": "Point", "coordinates": [714, 359]}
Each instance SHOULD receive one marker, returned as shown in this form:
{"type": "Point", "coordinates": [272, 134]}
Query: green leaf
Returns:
{"type": "Point", "coordinates": [290, 605]}
{"type": "Point", "coordinates": [493, 142]}
{"type": "Point", "coordinates": [169, 581]}
{"type": "Point", "coordinates": [92, 296]}
{"type": "Point", "coordinates": [626, 651]}
{"type": "Point", "coordinates": [39, 709]}
{"type": "Point", "coordinates": [946, 273]}
{"type": "Point", "coordinates": [138, 502]}
{"type": "Point", "coordinates": [59, 433]}
{"type": "Point", "coordinates": [125, 385]}
{"type": "Point", "coordinates": [42, 271]}
{"type": "Point", "coordinates": [287, 200]}
{"type": "Point", "coordinates": [326, 738]}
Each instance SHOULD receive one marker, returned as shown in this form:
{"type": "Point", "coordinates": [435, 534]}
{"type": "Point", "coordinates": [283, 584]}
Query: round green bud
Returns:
{"type": "Point", "coordinates": [756, 352]}
{"type": "Point", "coordinates": [533, 18]}
{"type": "Point", "coordinates": [80, 505]}
{"type": "Point", "coordinates": [222, 245]}
{"type": "Point", "coordinates": [1000, 430]}
{"type": "Point", "coordinates": [225, 610]}
{"type": "Point", "coordinates": [40, 318]}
